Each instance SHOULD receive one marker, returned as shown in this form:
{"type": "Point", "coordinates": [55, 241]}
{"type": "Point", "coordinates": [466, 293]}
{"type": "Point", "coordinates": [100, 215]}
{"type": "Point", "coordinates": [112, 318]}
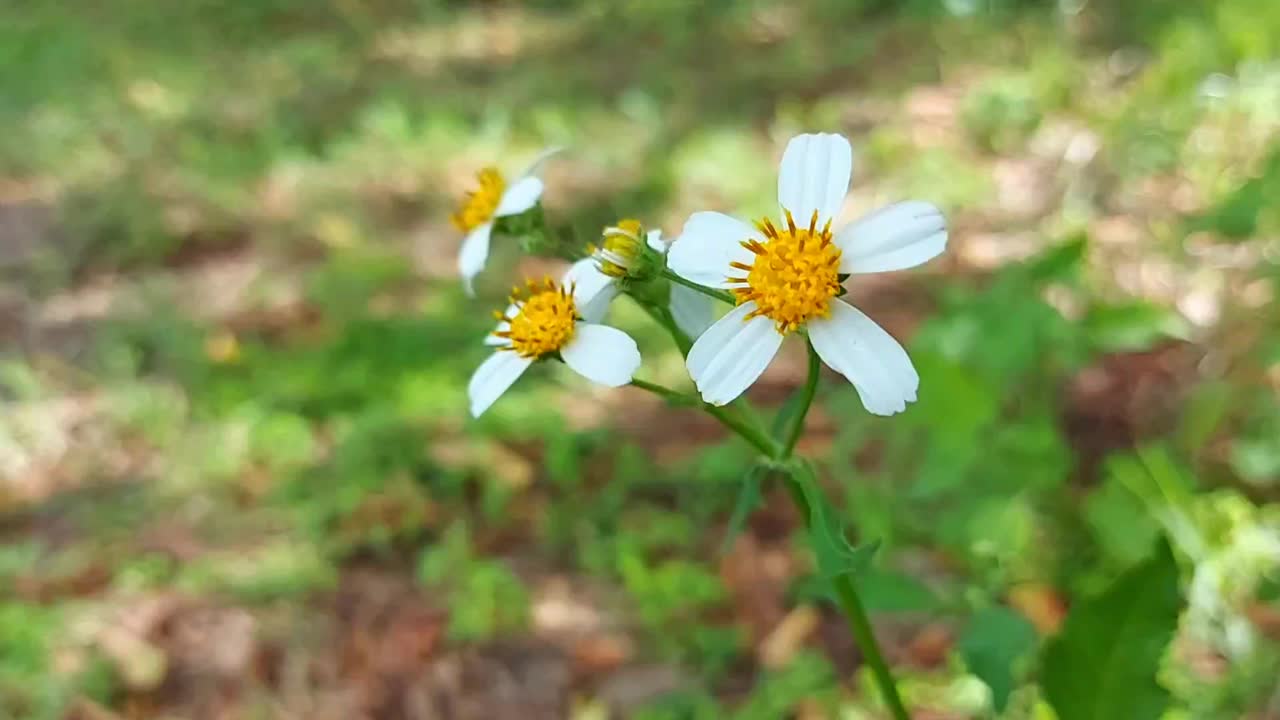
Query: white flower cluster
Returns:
{"type": "Point", "coordinates": [784, 276]}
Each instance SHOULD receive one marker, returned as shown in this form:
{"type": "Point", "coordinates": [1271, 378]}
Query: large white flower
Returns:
{"type": "Point", "coordinates": [545, 320]}
{"type": "Point", "coordinates": [618, 257]}
{"type": "Point", "coordinates": [493, 199]}
{"type": "Point", "coordinates": [786, 277]}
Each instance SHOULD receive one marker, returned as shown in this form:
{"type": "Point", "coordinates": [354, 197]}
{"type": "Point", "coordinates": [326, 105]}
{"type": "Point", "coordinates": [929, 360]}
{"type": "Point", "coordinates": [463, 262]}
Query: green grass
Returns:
{"type": "Point", "coordinates": [257, 446]}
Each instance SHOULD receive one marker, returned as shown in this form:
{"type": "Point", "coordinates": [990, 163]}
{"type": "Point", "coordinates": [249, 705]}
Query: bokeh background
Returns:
{"type": "Point", "coordinates": [237, 477]}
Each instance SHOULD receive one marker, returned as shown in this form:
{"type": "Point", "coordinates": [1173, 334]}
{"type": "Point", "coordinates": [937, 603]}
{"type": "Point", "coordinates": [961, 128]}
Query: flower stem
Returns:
{"type": "Point", "coordinates": [780, 452]}
{"type": "Point", "coordinates": [856, 614]}
{"type": "Point", "coordinates": [846, 593]}
{"type": "Point", "coordinates": [806, 399]}
{"type": "Point", "coordinates": [663, 317]}
{"type": "Point", "coordinates": [720, 295]}
{"type": "Point", "coordinates": [744, 428]}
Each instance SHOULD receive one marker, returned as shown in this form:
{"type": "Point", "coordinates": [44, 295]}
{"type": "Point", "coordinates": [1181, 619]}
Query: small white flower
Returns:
{"type": "Point", "coordinates": [616, 258]}
{"type": "Point", "coordinates": [494, 198]}
{"type": "Point", "coordinates": [787, 277]}
{"type": "Point", "coordinates": [542, 321]}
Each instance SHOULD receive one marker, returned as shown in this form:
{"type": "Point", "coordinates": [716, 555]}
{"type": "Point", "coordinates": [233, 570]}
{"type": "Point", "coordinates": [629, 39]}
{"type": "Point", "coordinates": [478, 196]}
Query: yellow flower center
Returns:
{"type": "Point", "coordinates": [794, 275]}
{"type": "Point", "coordinates": [621, 248]}
{"type": "Point", "coordinates": [544, 319]}
{"type": "Point", "coordinates": [480, 204]}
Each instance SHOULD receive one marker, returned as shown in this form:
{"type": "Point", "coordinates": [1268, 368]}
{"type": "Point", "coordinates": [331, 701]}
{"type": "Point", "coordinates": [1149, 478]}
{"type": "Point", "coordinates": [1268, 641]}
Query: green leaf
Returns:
{"type": "Point", "coordinates": [1121, 524]}
{"type": "Point", "coordinates": [1132, 326]}
{"type": "Point", "coordinates": [748, 500]}
{"type": "Point", "coordinates": [1103, 663]}
{"type": "Point", "coordinates": [835, 555]}
{"type": "Point", "coordinates": [993, 642]}
{"type": "Point", "coordinates": [1058, 263]}
{"type": "Point", "coordinates": [1204, 412]}
{"type": "Point", "coordinates": [888, 591]}
{"type": "Point", "coordinates": [1256, 460]}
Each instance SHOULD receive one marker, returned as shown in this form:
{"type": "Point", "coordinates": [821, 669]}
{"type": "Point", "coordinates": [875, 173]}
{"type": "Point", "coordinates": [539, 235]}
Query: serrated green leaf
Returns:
{"type": "Point", "coordinates": [748, 500]}
{"type": "Point", "coordinates": [833, 551]}
{"type": "Point", "coordinates": [1103, 663]}
{"type": "Point", "coordinates": [993, 642]}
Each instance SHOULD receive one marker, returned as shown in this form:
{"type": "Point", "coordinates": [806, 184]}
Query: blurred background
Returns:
{"type": "Point", "coordinates": [237, 476]}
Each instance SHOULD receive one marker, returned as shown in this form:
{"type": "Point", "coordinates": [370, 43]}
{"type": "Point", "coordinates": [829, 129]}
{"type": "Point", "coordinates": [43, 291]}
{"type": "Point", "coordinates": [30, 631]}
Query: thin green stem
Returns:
{"type": "Point", "coordinates": [663, 317]}
{"type": "Point", "coordinates": [846, 593]}
{"type": "Point", "coordinates": [745, 429]}
{"type": "Point", "coordinates": [675, 397]}
{"type": "Point", "coordinates": [720, 295]}
{"type": "Point", "coordinates": [780, 451]}
{"type": "Point", "coordinates": [806, 399]}
{"type": "Point", "coordinates": [856, 614]}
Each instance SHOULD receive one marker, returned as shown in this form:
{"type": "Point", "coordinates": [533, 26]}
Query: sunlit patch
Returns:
{"type": "Point", "coordinates": [480, 204]}
{"type": "Point", "coordinates": [621, 248]}
{"type": "Point", "coordinates": [795, 273]}
{"type": "Point", "coordinates": [545, 315]}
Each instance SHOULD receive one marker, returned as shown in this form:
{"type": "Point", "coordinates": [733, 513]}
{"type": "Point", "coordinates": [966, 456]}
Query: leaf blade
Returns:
{"type": "Point", "coordinates": [993, 642]}
{"type": "Point", "coordinates": [1103, 664]}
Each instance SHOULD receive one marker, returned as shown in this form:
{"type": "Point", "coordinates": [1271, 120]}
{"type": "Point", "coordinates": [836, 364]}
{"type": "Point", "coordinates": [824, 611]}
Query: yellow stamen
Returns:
{"type": "Point", "coordinates": [544, 320]}
{"type": "Point", "coordinates": [794, 275]}
{"type": "Point", "coordinates": [480, 204]}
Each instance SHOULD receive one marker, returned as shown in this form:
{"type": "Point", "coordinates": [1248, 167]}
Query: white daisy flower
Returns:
{"type": "Point", "coordinates": [620, 256]}
{"type": "Point", "coordinates": [542, 321]}
{"type": "Point", "coordinates": [493, 199]}
{"type": "Point", "coordinates": [787, 277]}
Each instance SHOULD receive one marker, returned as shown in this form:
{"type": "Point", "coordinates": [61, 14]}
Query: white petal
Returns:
{"type": "Point", "coordinates": [602, 354]}
{"type": "Point", "coordinates": [710, 241]}
{"type": "Point", "coordinates": [520, 196]}
{"type": "Point", "coordinates": [732, 354]}
{"type": "Point", "coordinates": [473, 254]}
{"type": "Point", "coordinates": [592, 289]}
{"type": "Point", "coordinates": [692, 310]}
{"type": "Point", "coordinates": [540, 159]}
{"type": "Point", "coordinates": [654, 239]}
{"type": "Point", "coordinates": [896, 237]}
{"type": "Point", "coordinates": [856, 347]}
{"type": "Point", "coordinates": [814, 175]}
{"type": "Point", "coordinates": [493, 377]}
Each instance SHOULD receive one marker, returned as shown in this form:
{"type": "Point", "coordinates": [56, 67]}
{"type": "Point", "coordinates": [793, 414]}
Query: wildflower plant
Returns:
{"type": "Point", "coordinates": [778, 277]}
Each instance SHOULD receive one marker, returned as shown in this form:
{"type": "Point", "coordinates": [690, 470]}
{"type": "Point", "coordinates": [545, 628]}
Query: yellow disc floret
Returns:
{"type": "Point", "coordinates": [544, 319]}
{"type": "Point", "coordinates": [795, 273]}
{"type": "Point", "coordinates": [480, 204]}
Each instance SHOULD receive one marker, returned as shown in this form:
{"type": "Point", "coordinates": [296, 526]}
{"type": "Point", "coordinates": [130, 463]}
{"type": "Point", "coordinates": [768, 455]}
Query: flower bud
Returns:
{"type": "Point", "coordinates": [624, 252]}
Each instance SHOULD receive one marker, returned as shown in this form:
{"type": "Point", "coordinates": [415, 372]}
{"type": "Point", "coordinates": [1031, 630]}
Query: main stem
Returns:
{"type": "Point", "coordinates": [781, 451]}
{"type": "Point", "coordinates": [846, 593]}
{"type": "Point", "coordinates": [860, 624]}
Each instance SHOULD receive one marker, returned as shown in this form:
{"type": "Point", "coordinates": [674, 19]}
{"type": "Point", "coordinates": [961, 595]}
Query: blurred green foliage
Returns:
{"type": "Point", "coordinates": [318, 425]}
